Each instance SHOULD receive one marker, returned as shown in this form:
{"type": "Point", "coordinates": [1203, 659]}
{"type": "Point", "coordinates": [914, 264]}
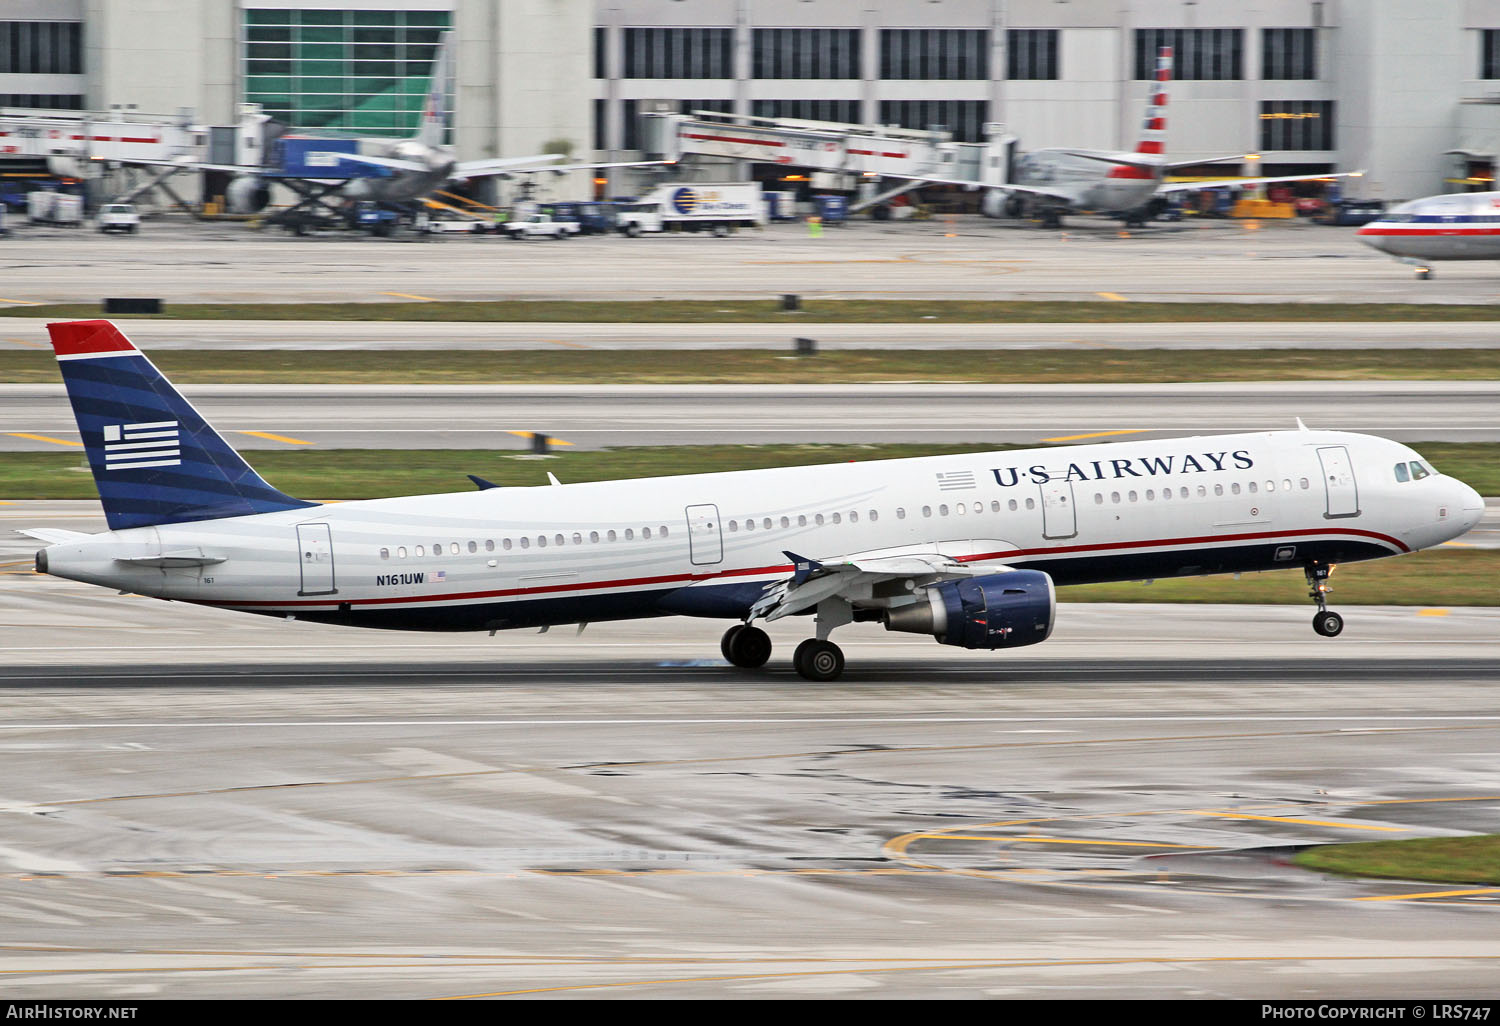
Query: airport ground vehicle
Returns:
{"type": "Point", "coordinates": [699, 206]}
{"type": "Point", "coordinates": [1350, 212]}
{"type": "Point", "coordinates": [964, 548]}
{"type": "Point", "coordinates": [118, 217]}
{"type": "Point", "coordinates": [540, 226]}
{"type": "Point", "coordinates": [59, 208]}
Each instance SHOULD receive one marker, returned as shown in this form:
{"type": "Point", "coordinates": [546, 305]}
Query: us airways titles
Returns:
{"type": "Point", "coordinates": [1150, 466]}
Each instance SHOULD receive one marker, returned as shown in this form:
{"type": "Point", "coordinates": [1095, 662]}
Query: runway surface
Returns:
{"type": "Point", "coordinates": [958, 258]}
{"type": "Point", "coordinates": [202, 805]}
{"type": "Point", "coordinates": [596, 416]}
{"type": "Point", "coordinates": [366, 336]}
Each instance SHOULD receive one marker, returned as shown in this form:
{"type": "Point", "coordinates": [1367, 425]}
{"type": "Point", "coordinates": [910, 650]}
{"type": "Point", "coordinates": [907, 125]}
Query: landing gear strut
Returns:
{"type": "Point", "coordinates": [1327, 623]}
{"type": "Point", "coordinates": [746, 646]}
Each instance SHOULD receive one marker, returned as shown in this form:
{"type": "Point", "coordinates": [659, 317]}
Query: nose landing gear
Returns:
{"type": "Point", "coordinates": [1327, 623]}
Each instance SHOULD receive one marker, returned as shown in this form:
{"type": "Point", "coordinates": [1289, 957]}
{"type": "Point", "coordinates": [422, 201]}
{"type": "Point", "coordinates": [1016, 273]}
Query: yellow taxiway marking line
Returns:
{"type": "Point", "coordinates": [1113, 295]}
{"type": "Point", "coordinates": [1430, 894]}
{"type": "Point", "coordinates": [23, 342]}
{"type": "Point", "coordinates": [1432, 612]}
{"type": "Point", "coordinates": [276, 438]}
{"type": "Point", "coordinates": [561, 342]}
{"type": "Point", "coordinates": [532, 434]}
{"type": "Point", "coordinates": [22, 302]}
{"type": "Point", "coordinates": [1064, 840]}
{"type": "Point", "coordinates": [1302, 822]}
{"type": "Point", "coordinates": [408, 295]}
{"type": "Point", "coordinates": [44, 438]}
{"type": "Point", "coordinates": [1097, 434]}
{"type": "Point", "coordinates": [1462, 545]}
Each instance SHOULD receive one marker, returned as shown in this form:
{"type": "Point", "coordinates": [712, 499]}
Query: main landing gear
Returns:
{"type": "Point", "coordinates": [746, 646]}
{"type": "Point", "coordinates": [816, 659]}
{"type": "Point", "coordinates": [1327, 623]}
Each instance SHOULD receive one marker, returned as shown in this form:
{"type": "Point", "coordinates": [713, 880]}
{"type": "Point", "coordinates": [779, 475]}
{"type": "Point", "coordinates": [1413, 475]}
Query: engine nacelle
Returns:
{"type": "Point", "coordinates": [1005, 610]}
{"type": "Point", "coordinates": [247, 194]}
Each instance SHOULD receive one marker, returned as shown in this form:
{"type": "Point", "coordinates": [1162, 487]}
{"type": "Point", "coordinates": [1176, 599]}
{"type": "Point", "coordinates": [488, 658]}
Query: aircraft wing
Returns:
{"type": "Point", "coordinates": [187, 165]}
{"type": "Point", "coordinates": [483, 168]}
{"type": "Point", "coordinates": [1224, 182]}
{"type": "Point", "coordinates": [851, 577]}
{"type": "Point", "coordinates": [393, 163]}
{"type": "Point", "coordinates": [1029, 190]}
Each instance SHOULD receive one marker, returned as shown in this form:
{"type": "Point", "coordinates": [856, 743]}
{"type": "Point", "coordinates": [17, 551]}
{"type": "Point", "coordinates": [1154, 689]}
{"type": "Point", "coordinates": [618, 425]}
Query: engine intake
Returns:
{"type": "Point", "coordinates": [995, 611]}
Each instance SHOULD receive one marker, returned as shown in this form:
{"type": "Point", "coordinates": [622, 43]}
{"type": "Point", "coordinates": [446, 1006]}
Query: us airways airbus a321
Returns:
{"type": "Point", "coordinates": [968, 549]}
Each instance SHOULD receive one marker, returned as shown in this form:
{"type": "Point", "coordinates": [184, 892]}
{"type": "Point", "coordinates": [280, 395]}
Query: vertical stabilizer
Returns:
{"type": "Point", "coordinates": [155, 460]}
{"type": "Point", "coordinates": [435, 110]}
{"type": "Point", "coordinates": [1153, 141]}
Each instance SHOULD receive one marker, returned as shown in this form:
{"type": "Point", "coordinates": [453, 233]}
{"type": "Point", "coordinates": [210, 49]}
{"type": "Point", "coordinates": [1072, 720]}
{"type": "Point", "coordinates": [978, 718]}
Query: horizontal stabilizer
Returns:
{"type": "Point", "coordinates": [51, 535]}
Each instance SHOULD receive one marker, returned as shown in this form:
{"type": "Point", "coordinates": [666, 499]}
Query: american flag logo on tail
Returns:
{"type": "Point", "coordinates": [137, 446]}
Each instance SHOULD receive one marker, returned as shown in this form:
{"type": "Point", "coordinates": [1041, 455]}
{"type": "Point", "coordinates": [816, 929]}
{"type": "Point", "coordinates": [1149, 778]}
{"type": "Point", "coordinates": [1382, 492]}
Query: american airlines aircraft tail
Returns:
{"type": "Point", "coordinates": [968, 549]}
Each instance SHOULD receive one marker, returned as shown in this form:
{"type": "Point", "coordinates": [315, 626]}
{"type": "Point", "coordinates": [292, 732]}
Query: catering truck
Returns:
{"type": "Point", "coordinates": [698, 206]}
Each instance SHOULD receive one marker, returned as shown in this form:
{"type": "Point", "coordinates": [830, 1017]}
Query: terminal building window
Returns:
{"type": "Point", "coordinates": [1296, 125]}
{"type": "Point", "coordinates": [1198, 55]}
{"type": "Point", "coordinates": [1031, 55]}
{"type": "Point", "coordinates": [805, 53]}
{"type": "Point", "coordinates": [1288, 53]}
{"type": "Point", "coordinates": [964, 118]}
{"type": "Point", "coordinates": [1489, 53]}
{"type": "Point", "coordinates": [934, 54]}
{"type": "Point", "coordinates": [41, 101]}
{"type": "Point", "coordinates": [41, 48]}
{"type": "Point", "coordinates": [842, 111]}
{"type": "Point", "coordinates": [360, 71]}
{"type": "Point", "coordinates": [679, 53]}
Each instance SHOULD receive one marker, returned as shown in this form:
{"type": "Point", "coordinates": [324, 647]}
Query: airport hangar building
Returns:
{"type": "Point", "coordinates": [1410, 91]}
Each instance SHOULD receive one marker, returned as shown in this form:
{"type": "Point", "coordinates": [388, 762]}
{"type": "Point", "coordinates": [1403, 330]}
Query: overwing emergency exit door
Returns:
{"type": "Point", "coordinates": [1338, 482]}
{"type": "Point", "coordinates": [315, 554]}
{"type": "Point", "coordinates": [705, 542]}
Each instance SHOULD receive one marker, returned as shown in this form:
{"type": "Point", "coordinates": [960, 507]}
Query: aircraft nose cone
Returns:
{"type": "Point", "coordinates": [1372, 234]}
{"type": "Point", "coordinates": [1471, 505]}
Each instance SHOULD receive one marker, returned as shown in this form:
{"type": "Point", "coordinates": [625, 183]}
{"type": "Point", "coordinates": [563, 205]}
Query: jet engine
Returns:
{"type": "Point", "coordinates": [999, 203]}
{"type": "Point", "coordinates": [1005, 610]}
{"type": "Point", "coordinates": [247, 195]}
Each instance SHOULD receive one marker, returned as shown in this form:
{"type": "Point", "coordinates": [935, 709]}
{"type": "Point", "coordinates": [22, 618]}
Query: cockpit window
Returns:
{"type": "Point", "coordinates": [1419, 470]}
{"type": "Point", "coordinates": [1401, 474]}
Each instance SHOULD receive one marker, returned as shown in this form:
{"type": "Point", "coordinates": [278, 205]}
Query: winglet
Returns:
{"type": "Point", "coordinates": [481, 483]}
{"type": "Point", "coordinates": [1301, 426]}
{"type": "Point", "coordinates": [802, 567]}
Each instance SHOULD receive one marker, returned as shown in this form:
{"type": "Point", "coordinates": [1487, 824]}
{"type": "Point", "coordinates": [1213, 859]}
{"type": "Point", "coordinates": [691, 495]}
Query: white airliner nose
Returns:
{"type": "Point", "coordinates": [1470, 505]}
{"type": "Point", "coordinates": [1373, 234]}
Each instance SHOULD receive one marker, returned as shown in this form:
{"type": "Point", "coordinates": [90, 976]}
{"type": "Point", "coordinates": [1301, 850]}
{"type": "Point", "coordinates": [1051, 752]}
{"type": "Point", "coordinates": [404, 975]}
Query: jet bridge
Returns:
{"type": "Point", "coordinates": [869, 152]}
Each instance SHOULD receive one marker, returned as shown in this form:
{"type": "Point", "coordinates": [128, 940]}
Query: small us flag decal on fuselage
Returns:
{"type": "Point", "coordinates": [136, 446]}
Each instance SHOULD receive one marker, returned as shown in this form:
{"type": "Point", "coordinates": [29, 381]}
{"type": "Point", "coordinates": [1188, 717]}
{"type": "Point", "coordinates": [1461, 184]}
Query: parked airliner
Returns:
{"type": "Point", "coordinates": [968, 548]}
{"type": "Point", "coordinates": [1046, 184]}
{"type": "Point", "coordinates": [1459, 226]}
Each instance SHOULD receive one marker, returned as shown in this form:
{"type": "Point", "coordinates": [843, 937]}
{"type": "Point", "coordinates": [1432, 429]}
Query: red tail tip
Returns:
{"type": "Point", "coordinates": [79, 338]}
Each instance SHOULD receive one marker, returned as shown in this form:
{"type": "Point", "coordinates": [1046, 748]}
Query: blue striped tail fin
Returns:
{"type": "Point", "coordinates": [155, 460]}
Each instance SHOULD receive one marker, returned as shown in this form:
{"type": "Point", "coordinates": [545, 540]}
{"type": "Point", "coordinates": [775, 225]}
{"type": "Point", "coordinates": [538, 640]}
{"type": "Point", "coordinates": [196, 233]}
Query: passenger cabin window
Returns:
{"type": "Point", "coordinates": [385, 553]}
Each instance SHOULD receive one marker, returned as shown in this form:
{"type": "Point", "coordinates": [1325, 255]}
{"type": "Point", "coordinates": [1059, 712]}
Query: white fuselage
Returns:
{"type": "Point", "coordinates": [1462, 226]}
{"type": "Point", "coordinates": [707, 544]}
{"type": "Point", "coordinates": [1087, 183]}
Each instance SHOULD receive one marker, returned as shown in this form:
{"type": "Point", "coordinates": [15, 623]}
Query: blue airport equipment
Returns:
{"type": "Point", "coordinates": [832, 209]}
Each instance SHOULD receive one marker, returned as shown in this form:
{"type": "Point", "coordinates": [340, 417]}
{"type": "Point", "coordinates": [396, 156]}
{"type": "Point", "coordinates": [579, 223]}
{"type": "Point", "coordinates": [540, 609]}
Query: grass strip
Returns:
{"type": "Point", "coordinates": [812, 311]}
{"type": "Point", "coordinates": [1441, 577]}
{"type": "Point", "coordinates": [758, 366]}
{"type": "Point", "coordinates": [1457, 860]}
{"type": "Point", "coordinates": [381, 473]}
